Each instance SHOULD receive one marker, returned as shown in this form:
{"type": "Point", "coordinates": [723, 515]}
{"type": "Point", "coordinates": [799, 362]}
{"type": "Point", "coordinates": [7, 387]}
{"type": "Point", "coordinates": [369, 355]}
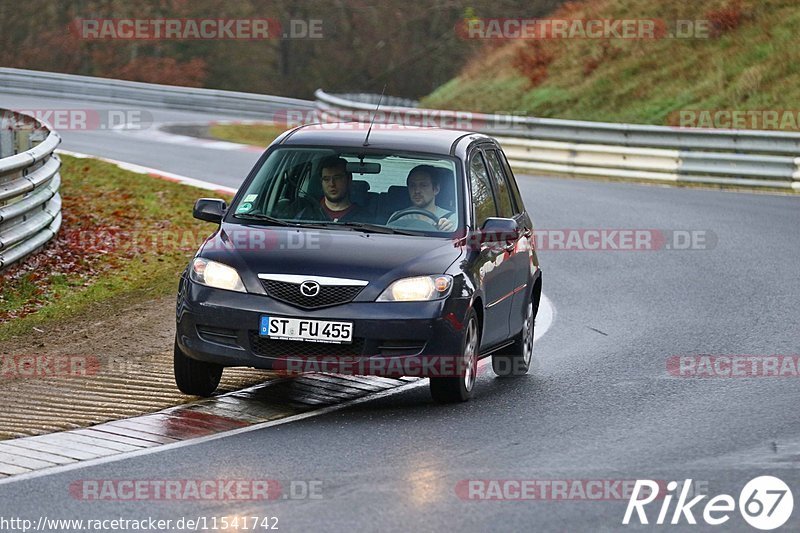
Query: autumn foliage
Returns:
{"type": "Point", "coordinates": [725, 19]}
{"type": "Point", "coordinates": [411, 46]}
{"type": "Point", "coordinates": [532, 61]}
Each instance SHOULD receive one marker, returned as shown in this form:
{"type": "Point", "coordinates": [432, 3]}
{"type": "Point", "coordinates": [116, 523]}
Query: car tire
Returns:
{"type": "Point", "coordinates": [197, 378]}
{"type": "Point", "coordinates": [459, 388]}
{"type": "Point", "coordinates": [517, 358]}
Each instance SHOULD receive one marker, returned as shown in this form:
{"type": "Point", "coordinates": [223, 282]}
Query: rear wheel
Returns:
{"type": "Point", "coordinates": [459, 388]}
{"type": "Point", "coordinates": [197, 378]}
{"type": "Point", "coordinates": [515, 359]}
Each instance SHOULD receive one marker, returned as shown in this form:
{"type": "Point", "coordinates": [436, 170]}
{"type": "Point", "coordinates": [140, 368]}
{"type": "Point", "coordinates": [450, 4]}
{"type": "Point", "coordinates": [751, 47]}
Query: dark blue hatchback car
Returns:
{"type": "Point", "coordinates": [407, 252]}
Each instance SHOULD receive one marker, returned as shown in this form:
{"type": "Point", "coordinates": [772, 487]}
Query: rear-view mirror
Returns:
{"type": "Point", "coordinates": [363, 168]}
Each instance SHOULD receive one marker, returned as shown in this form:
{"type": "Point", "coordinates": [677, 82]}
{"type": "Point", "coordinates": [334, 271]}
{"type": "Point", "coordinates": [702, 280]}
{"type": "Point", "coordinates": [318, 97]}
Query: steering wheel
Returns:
{"type": "Point", "coordinates": [417, 211]}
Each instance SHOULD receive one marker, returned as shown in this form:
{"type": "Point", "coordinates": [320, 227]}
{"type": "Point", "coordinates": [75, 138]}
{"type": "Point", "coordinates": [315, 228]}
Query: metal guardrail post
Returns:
{"type": "Point", "coordinates": [6, 140]}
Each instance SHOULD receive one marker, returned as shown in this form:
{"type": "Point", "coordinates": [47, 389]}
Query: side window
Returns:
{"type": "Point", "coordinates": [512, 182]}
{"type": "Point", "coordinates": [505, 203]}
{"type": "Point", "coordinates": [482, 197]}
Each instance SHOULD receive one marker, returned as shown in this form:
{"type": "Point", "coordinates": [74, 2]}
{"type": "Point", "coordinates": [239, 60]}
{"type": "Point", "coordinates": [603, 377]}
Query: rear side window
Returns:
{"type": "Point", "coordinates": [482, 197]}
{"type": "Point", "coordinates": [512, 183]}
{"type": "Point", "coordinates": [504, 201]}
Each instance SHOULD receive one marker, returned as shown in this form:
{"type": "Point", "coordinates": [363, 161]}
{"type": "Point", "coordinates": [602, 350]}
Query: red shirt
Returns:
{"type": "Point", "coordinates": [335, 215]}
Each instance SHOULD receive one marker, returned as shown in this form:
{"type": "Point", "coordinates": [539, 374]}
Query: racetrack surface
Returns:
{"type": "Point", "coordinates": [602, 405]}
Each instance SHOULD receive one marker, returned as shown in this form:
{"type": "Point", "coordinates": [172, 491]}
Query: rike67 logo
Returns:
{"type": "Point", "coordinates": [765, 503]}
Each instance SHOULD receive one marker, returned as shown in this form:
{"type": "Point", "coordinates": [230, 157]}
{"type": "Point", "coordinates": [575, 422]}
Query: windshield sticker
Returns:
{"type": "Point", "coordinates": [247, 206]}
{"type": "Point", "coordinates": [250, 198]}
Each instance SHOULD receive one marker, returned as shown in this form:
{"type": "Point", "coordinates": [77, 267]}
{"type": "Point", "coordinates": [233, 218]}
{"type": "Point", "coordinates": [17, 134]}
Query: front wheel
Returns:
{"type": "Point", "coordinates": [197, 378]}
{"type": "Point", "coordinates": [459, 388]}
{"type": "Point", "coordinates": [515, 359]}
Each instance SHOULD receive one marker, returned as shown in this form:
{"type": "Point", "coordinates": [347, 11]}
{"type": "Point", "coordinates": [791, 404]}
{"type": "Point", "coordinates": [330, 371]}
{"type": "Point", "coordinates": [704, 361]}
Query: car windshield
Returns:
{"type": "Point", "coordinates": [370, 191]}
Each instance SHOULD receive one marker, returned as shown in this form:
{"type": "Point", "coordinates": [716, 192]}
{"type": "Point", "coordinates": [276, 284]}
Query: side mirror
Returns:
{"type": "Point", "coordinates": [209, 209]}
{"type": "Point", "coordinates": [501, 231]}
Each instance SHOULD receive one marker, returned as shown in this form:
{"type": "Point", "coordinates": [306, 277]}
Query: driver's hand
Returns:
{"type": "Point", "coordinates": [445, 225]}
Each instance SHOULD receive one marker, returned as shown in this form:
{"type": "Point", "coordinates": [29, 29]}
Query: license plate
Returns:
{"type": "Point", "coordinates": [303, 329]}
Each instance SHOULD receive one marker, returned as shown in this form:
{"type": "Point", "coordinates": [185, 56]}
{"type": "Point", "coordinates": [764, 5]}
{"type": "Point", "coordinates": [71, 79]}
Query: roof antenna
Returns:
{"type": "Point", "coordinates": [366, 139]}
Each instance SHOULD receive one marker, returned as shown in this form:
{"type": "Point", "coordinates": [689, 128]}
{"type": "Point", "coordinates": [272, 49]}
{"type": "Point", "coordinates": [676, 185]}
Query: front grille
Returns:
{"type": "Point", "coordinates": [328, 294]}
{"type": "Point", "coordinates": [266, 347]}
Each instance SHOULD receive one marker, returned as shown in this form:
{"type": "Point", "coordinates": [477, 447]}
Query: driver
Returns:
{"type": "Point", "coordinates": [423, 187]}
{"type": "Point", "coordinates": [335, 205]}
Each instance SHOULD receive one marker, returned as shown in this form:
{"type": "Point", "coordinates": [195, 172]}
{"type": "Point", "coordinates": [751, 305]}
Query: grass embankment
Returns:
{"type": "Point", "coordinates": [748, 62]}
{"type": "Point", "coordinates": [252, 134]}
{"type": "Point", "coordinates": [124, 237]}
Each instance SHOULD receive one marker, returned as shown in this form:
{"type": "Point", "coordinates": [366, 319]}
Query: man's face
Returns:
{"type": "Point", "coordinates": [421, 190]}
{"type": "Point", "coordinates": [335, 184]}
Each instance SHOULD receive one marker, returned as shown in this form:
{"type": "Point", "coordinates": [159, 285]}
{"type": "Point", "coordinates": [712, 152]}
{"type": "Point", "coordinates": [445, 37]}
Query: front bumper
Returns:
{"type": "Point", "coordinates": [389, 338]}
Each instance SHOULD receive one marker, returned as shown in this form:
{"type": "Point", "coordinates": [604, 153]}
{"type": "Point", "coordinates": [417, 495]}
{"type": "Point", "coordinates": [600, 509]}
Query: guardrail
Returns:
{"type": "Point", "coordinates": [385, 100]}
{"type": "Point", "coordinates": [602, 149]}
{"type": "Point", "coordinates": [73, 87]}
{"type": "Point", "coordinates": [30, 205]}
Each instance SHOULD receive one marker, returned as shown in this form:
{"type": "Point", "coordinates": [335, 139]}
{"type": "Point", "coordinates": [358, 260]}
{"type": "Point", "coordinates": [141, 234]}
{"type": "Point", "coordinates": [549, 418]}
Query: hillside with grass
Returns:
{"type": "Point", "coordinates": [746, 60]}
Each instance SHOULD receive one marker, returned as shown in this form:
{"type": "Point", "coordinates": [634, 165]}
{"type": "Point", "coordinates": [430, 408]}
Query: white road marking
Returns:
{"type": "Point", "coordinates": [544, 318]}
{"type": "Point", "coordinates": [169, 176]}
{"type": "Point", "coordinates": [156, 133]}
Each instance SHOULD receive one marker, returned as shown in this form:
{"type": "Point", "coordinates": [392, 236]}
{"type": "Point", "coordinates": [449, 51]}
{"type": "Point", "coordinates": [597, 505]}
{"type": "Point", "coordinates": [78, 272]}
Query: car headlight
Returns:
{"type": "Point", "coordinates": [418, 289]}
{"type": "Point", "coordinates": [216, 275]}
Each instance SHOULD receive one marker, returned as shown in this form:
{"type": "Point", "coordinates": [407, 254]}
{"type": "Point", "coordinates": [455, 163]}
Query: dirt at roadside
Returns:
{"type": "Point", "coordinates": [109, 362]}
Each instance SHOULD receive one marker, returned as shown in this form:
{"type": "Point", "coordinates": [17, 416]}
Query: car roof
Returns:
{"type": "Point", "coordinates": [383, 136]}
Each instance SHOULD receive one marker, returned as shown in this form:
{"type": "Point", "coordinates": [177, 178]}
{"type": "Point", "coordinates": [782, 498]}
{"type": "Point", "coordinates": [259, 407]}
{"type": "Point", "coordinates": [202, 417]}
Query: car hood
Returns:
{"type": "Point", "coordinates": [373, 257]}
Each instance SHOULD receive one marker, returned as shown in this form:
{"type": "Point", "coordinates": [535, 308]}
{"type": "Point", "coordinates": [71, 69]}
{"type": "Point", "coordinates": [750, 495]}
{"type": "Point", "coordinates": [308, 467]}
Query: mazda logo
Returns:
{"type": "Point", "coordinates": [309, 288]}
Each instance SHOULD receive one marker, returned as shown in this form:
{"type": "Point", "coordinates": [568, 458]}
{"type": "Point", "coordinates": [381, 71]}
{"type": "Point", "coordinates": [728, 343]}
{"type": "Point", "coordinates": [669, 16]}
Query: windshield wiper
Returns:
{"type": "Point", "coordinates": [277, 221]}
{"type": "Point", "coordinates": [376, 228]}
{"type": "Point", "coordinates": [350, 226]}
{"type": "Point", "coordinates": [281, 222]}
{"type": "Point", "coordinates": [264, 218]}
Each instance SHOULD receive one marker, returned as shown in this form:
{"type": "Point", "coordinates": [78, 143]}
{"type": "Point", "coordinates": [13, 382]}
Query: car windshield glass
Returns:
{"type": "Point", "coordinates": [381, 192]}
